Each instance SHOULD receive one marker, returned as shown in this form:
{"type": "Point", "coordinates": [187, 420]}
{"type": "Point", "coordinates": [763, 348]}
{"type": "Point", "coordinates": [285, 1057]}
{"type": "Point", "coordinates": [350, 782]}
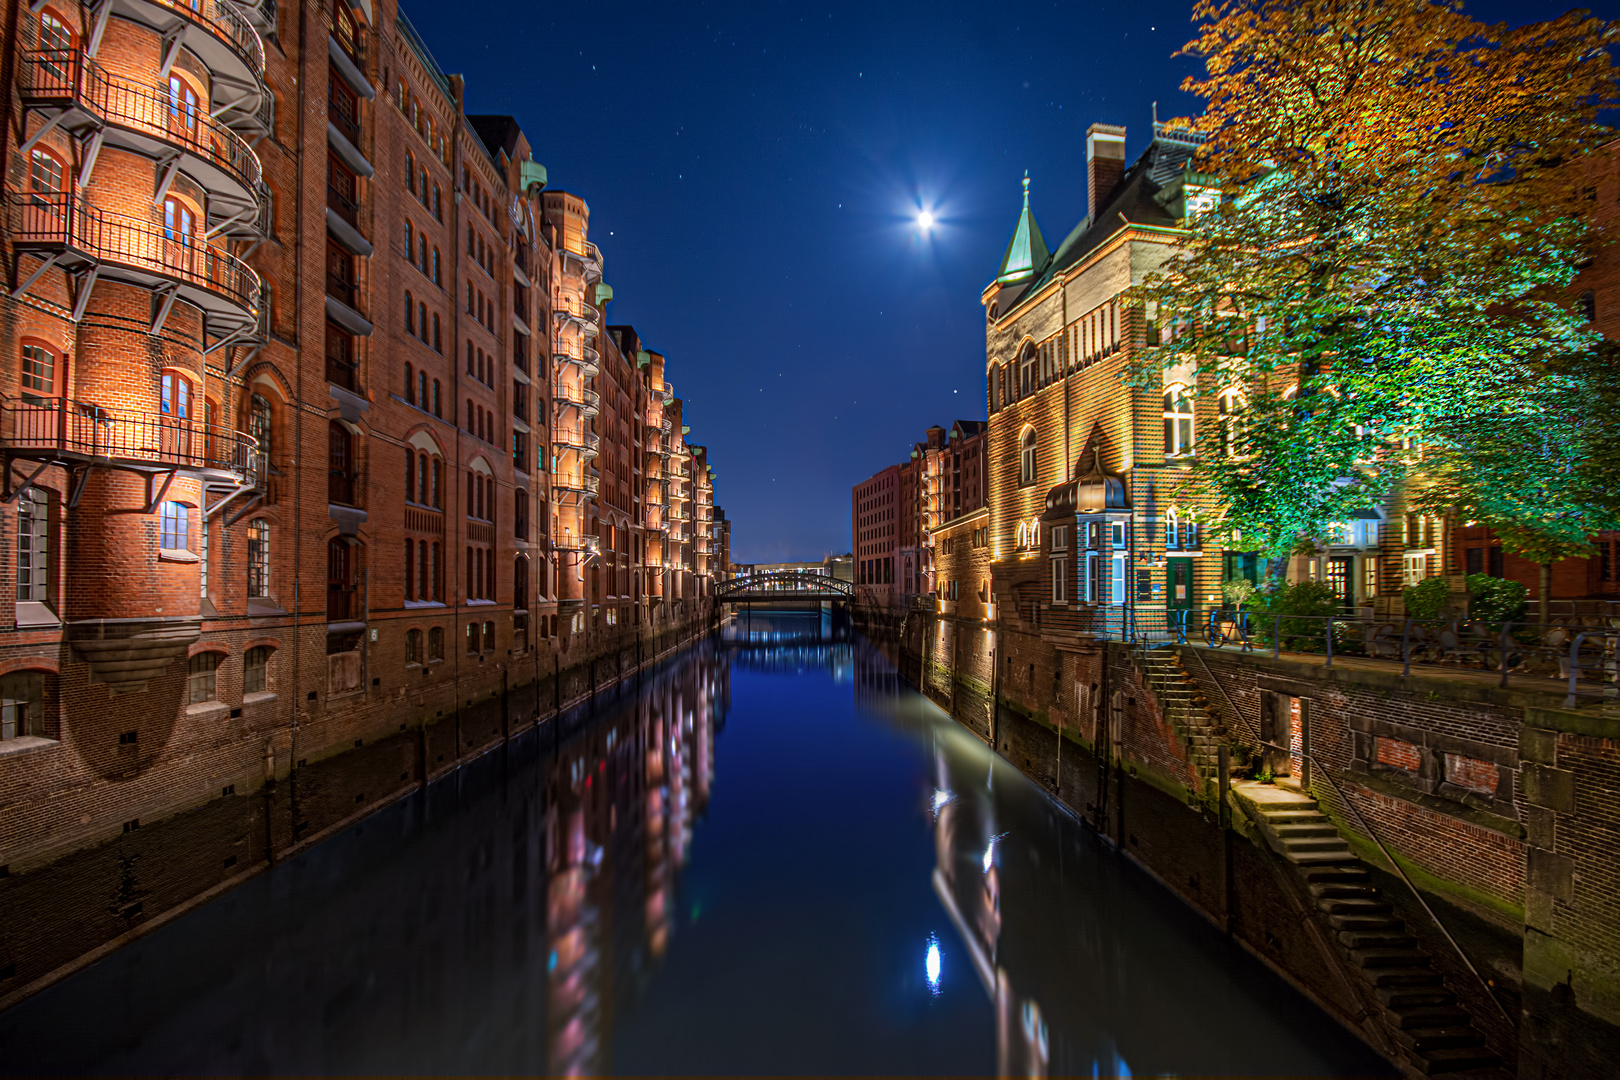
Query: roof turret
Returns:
{"type": "Point", "coordinates": [1026, 252]}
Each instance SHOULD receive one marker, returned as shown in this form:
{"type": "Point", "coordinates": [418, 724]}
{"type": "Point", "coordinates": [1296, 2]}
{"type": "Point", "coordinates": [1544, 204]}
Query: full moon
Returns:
{"type": "Point", "coordinates": [925, 220]}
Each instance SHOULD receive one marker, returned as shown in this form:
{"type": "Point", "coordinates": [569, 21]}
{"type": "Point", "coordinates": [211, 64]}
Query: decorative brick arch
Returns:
{"type": "Point", "coordinates": [263, 643]}
{"type": "Point", "coordinates": [31, 663]}
{"type": "Point", "coordinates": [207, 646]}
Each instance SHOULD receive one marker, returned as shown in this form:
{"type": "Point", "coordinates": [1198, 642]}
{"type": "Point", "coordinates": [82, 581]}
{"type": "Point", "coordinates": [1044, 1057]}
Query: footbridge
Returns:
{"type": "Point", "coordinates": [778, 585]}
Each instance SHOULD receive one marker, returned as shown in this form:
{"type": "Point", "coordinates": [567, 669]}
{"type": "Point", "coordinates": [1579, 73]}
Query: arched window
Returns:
{"type": "Point", "coordinates": [438, 574]}
{"type": "Point", "coordinates": [259, 559]}
{"type": "Point", "coordinates": [1026, 458]}
{"type": "Point", "coordinates": [520, 584]}
{"type": "Point", "coordinates": [436, 279]}
{"type": "Point", "coordinates": [44, 172]}
{"type": "Point", "coordinates": [54, 32]}
{"type": "Point", "coordinates": [410, 174]}
{"type": "Point", "coordinates": [413, 647]}
{"type": "Point", "coordinates": [423, 495]}
{"type": "Point", "coordinates": [424, 583]}
{"type": "Point", "coordinates": [438, 341]}
{"type": "Point", "coordinates": [436, 643]}
{"type": "Point", "coordinates": [1178, 422]}
{"type": "Point", "coordinates": [179, 221]}
{"type": "Point", "coordinates": [176, 395]}
{"type": "Point", "coordinates": [421, 322]}
{"type": "Point", "coordinates": [342, 577]}
{"type": "Point", "coordinates": [38, 369]}
{"type": "Point", "coordinates": [437, 411]}
{"type": "Point", "coordinates": [182, 108]}
{"type": "Point", "coordinates": [1172, 537]}
{"type": "Point", "coordinates": [202, 678]}
{"type": "Point", "coordinates": [421, 251]}
{"type": "Point", "coordinates": [1026, 371]}
{"type": "Point", "coordinates": [422, 390]}
{"type": "Point", "coordinates": [410, 313]}
{"type": "Point", "coordinates": [410, 569]}
{"type": "Point", "coordinates": [260, 423]}
{"type": "Point", "coordinates": [410, 384]}
{"type": "Point", "coordinates": [470, 367]}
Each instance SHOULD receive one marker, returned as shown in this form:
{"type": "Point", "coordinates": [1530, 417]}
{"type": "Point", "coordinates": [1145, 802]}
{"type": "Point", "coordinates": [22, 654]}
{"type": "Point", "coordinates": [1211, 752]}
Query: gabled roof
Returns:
{"type": "Point", "coordinates": [1147, 194]}
{"type": "Point", "coordinates": [497, 133]}
{"type": "Point", "coordinates": [1026, 251]}
{"type": "Point", "coordinates": [966, 429]}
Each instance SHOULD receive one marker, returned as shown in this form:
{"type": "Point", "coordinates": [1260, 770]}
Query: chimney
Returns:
{"type": "Point", "coordinates": [1105, 164]}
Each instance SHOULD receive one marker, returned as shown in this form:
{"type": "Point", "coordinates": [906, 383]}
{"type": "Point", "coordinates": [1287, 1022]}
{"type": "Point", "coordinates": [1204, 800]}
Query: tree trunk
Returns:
{"type": "Point", "coordinates": [1544, 592]}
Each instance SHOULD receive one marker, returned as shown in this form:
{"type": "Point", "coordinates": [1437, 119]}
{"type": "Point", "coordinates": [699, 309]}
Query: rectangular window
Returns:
{"type": "Point", "coordinates": [1118, 585]}
{"type": "Point", "coordinates": [38, 369]}
{"type": "Point", "coordinates": [1060, 581]}
{"type": "Point", "coordinates": [1413, 569]}
{"type": "Point", "coordinates": [1493, 562]}
{"type": "Point", "coordinates": [254, 667]}
{"type": "Point", "coordinates": [22, 704]}
{"type": "Point", "coordinates": [1369, 578]}
{"type": "Point", "coordinates": [33, 545]}
{"type": "Point", "coordinates": [201, 678]}
{"type": "Point", "coordinates": [176, 527]}
{"type": "Point", "coordinates": [1060, 538]}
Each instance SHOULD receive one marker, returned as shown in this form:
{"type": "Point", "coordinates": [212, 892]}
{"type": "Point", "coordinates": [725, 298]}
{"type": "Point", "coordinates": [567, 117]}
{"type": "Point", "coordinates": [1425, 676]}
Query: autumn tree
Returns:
{"type": "Point", "coordinates": [1385, 275]}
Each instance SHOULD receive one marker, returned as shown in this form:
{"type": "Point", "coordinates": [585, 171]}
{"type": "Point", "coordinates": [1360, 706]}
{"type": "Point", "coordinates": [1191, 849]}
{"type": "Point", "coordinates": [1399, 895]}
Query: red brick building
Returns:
{"type": "Point", "coordinates": [259, 515]}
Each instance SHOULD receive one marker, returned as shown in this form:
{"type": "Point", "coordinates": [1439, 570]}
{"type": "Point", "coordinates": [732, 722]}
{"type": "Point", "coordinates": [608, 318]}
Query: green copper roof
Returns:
{"type": "Point", "coordinates": [1026, 251]}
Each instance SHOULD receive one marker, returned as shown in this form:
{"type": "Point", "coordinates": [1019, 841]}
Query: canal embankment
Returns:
{"type": "Point", "coordinates": [1426, 887]}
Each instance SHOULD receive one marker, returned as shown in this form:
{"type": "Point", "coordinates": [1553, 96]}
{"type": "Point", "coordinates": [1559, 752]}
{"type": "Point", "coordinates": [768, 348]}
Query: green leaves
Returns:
{"type": "Point", "coordinates": [1404, 212]}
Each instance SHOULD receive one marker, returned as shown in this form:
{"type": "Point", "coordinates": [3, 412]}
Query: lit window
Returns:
{"type": "Point", "coordinates": [176, 396]}
{"type": "Point", "coordinates": [1178, 422]}
{"type": "Point", "coordinates": [258, 558]}
{"type": "Point", "coordinates": [1227, 406]}
{"type": "Point", "coordinates": [1026, 458]}
{"type": "Point", "coordinates": [176, 527]}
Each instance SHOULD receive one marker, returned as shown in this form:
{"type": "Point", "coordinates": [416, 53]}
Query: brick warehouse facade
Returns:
{"type": "Point", "coordinates": [204, 610]}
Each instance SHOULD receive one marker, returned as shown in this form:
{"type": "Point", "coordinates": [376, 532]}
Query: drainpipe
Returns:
{"type": "Point", "coordinates": [298, 475]}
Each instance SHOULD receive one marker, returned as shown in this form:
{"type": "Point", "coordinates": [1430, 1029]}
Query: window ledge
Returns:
{"type": "Point", "coordinates": [258, 697]}
{"type": "Point", "coordinates": [176, 555]}
{"type": "Point", "coordinates": [480, 603]}
{"type": "Point", "coordinates": [207, 708]}
{"type": "Point", "coordinates": [260, 606]}
{"type": "Point", "coordinates": [32, 614]}
{"type": "Point", "coordinates": [412, 605]}
{"type": "Point", "coordinates": [22, 744]}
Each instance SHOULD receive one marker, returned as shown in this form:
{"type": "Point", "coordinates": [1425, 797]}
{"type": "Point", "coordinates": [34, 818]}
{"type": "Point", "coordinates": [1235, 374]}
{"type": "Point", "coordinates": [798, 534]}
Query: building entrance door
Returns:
{"type": "Point", "coordinates": [1341, 580]}
{"type": "Point", "coordinates": [1181, 587]}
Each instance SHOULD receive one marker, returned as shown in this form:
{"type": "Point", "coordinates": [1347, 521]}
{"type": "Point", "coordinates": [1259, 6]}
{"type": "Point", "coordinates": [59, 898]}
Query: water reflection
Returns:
{"type": "Point", "coordinates": [846, 881]}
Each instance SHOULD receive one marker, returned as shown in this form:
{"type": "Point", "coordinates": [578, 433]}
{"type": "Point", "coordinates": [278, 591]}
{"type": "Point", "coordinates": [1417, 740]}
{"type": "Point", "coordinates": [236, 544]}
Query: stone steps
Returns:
{"type": "Point", "coordinates": [1435, 1033]}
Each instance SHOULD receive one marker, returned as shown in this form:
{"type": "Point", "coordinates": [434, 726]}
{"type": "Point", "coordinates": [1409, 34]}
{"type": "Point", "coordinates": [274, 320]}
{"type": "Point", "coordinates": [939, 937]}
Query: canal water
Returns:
{"type": "Point", "coordinates": [767, 856]}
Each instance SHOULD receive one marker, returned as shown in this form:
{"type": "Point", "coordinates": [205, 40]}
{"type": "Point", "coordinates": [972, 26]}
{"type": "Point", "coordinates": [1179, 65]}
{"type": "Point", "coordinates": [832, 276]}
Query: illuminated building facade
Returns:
{"type": "Point", "coordinates": [259, 514]}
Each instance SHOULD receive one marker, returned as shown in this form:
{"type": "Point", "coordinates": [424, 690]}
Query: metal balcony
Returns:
{"type": "Point", "coordinates": [79, 432]}
{"type": "Point", "coordinates": [579, 440]}
{"type": "Point", "coordinates": [73, 233]}
{"type": "Point", "coordinates": [213, 29]}
{"type": "Point", "coordinates": [83, 99]}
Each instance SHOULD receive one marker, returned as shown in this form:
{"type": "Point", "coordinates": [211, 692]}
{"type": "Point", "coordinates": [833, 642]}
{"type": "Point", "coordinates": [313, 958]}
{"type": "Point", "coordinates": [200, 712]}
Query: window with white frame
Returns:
{"type": "Point", "coordinates": [1060, 579]}
{"type": "Point", "coordinates": [1414, 568]}
{"type": "Point", "coordinates": [1178, 422]}
{"type": "Point", "coordinates": [1026, 458]}
{"type": "Point", "coordinates": [33, 545]}
{"type": "Point", "coordinates": [176, 527]}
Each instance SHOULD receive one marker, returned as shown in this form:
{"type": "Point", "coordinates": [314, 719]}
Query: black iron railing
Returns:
{"type": "Point", "coordinates": [79, 429]}
{"type": "Point", "coordinates": [57, 219]}
{"type": "Point", "coordinates": [68, 77]}
{"type": "Point", "coordinates": [223, 21]}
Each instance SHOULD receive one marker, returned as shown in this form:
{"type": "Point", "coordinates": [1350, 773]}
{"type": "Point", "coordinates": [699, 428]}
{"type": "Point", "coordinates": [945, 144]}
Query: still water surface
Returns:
{"type": "Point", "coordinates": [769, 856]}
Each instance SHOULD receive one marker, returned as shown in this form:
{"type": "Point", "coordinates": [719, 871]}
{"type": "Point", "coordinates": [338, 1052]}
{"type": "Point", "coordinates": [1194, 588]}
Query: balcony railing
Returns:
{"type": "Point", "coordinates": [83, 429]}
{"type": "Point", "coordinates": [348, 126]}
{"type": "Point", "coordinates": [578, 439]}
{"type": "Point", "coordinates": [66, 77]}
{"type": "Point", "coordinates": [222, 20]}
{"type": "Point", "coordinates": [344, 204]}
{"type": "Point", "coordinates": [56, 219]}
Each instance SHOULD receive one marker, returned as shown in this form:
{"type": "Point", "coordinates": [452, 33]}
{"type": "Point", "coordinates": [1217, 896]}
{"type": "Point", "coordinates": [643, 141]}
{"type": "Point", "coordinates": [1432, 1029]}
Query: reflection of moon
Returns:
{"type": "Point", "coordinates": [925, 220]}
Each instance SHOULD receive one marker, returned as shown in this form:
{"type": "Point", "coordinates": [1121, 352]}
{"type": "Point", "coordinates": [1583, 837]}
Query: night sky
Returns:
{"type": "Point", "coordinates": [754, 171]}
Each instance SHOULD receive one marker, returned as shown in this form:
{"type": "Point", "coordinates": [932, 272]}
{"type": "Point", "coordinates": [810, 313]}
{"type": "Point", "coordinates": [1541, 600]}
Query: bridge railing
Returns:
{"type": "Point", "coordinates": [786, 583]}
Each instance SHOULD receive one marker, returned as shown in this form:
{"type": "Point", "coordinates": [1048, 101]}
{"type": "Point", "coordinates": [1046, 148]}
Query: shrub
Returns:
{"type": "Point", "coordinates": [1496, 599]}
{"type": "Point", "coordinates": [1303, 606]}
{"type": "Point", "coordinates": [1429, 599]}
{"type": "Point", "coordinates": [1238, 592]}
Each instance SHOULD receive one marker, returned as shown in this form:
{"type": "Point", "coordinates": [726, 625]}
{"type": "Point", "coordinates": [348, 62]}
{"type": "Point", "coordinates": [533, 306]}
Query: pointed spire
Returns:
{"type": "Point", "coordinates": [1026, 252]}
